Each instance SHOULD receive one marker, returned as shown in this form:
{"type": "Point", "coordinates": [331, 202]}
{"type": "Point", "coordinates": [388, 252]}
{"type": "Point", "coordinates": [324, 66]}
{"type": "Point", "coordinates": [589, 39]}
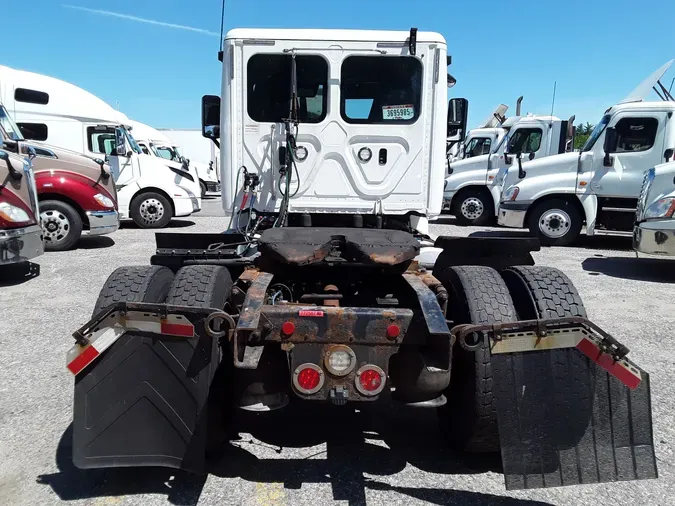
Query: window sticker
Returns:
{"type": "Point", "coordinates": [398, 112]}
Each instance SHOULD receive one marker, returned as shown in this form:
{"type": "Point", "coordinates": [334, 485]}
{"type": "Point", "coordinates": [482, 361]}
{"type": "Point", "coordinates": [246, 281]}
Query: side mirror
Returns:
{"type": "Point", "coordinates": [211, 116]}
{"type": "Point", "coordinates": [531, 155]}
{"type": "Point", "coordinates": [458, 110]}
{"type": "Point", "coordinates": [120, 144]}
{"type": "Point", "coordinates": [668, 154]}
{"type": "Point", "coordinates": [521, 172]}
{"type": "Point", "coordinates": [610, 146]}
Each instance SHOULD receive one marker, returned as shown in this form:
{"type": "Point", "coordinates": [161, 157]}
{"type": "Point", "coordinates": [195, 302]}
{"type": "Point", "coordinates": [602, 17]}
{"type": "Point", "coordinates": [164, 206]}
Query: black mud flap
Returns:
{"type": "Point", "coordinates": [143, 403]}
{"type": "Point", "coordinates": [564, 420]}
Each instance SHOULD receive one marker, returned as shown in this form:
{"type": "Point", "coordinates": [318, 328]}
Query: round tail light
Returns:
{"type": "Point", "coordinates": [340, 360]}
{"type": "Point", "coordinates": [308, 378]}
{"type": "Point", "coordinates": [370, 380]}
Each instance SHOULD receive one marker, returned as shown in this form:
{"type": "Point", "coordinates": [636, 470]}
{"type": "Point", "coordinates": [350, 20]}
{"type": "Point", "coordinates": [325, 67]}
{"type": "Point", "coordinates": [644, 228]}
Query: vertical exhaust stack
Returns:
{"type": "Point", "coordinates": [518, 102]}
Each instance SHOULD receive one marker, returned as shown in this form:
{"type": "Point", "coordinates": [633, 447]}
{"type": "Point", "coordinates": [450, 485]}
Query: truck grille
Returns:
{"type": "Point", "coordinates": [644, 193]}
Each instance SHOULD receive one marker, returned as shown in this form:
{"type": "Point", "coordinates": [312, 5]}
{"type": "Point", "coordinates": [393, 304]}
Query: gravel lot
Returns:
{"type": "Point", "coordinates": [377, 458]}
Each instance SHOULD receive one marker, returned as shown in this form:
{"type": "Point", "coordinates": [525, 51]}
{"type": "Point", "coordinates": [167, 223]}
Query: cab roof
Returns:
{"type": "Point", "coordinates": [331, 35]}
{"type": "Point", "coordinates": [659, 105]}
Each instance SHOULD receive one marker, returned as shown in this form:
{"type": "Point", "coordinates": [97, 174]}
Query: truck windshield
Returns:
{"type": "Point", "coordinates": [9, 126]}
{"type": "Point", "coordinates": [153, 149]}
{"type": "Point", "coordinates": [166, 152]}
{"type": "Point", "coordinates": [597, 132]}
{"type": "Point", "coordinates": [132, 142]}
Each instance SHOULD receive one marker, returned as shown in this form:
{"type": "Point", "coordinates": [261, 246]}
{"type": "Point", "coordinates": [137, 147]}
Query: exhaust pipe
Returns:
{"type": "Point", "coordinates": [518, 102]}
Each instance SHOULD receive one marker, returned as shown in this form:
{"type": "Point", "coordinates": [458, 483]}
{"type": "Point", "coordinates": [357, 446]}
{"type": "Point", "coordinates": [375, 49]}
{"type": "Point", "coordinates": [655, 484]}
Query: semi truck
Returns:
{"type": "Point", "coordinates": [193, 146]}
{"type": "Point", "coordinates": [155, 143]}
{"type": "Point", "coordinates": [332, 163]}
{"type": "Point", "coordinates": [21, 237]}
{"type": "Point", "coordinates": [473, 187]}
{"type": "Point", "coordinates": [654, 228]}
{"type": "Point", "coordinates": [76, 193]}
{"type": "Point", "coordinates": [595, 190]}
{"type": "Point", "coordinates": [61, 114]}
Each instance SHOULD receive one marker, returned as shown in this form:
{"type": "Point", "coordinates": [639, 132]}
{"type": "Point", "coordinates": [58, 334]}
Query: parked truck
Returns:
{"type": "Point", "coordinates": [474, 185]}
{"type": "Point", "coordinates": [654, 228]}
{"type": "Point", "coordinates": [20, 232]}
{"type": "Point", "coordinates": [481, 140]}
{"type": "Point", "coordinates": [332, 165]}
{"type": "Point", "coordinates": [595, 190]}
{"type": "Point", "coordinates": [192, 145]}
{"type": "Point", "coordinates": [76, 193]}
{"type": "Point", "coordinates": [63, 115]}
{"type": "Point", "coordinates": [155, 143]}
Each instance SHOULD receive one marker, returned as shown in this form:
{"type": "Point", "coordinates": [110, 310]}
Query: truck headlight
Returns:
{"type": "Point", "coordinates": [662, 208]}
{"type": "Point", "coordinates": [12, 213]}
{"type": "Point", "coordinates": [103, 200]}
{"type": "Point", "coordinates": [511, 193]}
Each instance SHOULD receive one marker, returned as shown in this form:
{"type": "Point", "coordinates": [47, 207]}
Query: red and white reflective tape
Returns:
{"type": "Point", "coordinates": [115, 325]}
{"type": "Point", "coordinates": [620, 369]}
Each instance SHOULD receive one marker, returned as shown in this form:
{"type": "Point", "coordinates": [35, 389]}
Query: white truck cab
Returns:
{"type": "Point", "coordinates": [63, 115]}
{"type": "Point", "coordinates": [654, 229]}
{"type": "Point", "coordinates": [474, 185]}
{"type": "Point", "coordinates": [598, 187]}
{"type": "Point", "coordinates": [360, 144]}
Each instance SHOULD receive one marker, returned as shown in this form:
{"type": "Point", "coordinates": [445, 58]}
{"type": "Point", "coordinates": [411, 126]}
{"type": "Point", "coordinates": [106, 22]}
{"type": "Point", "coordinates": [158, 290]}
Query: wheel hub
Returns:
{"type": "Point", "coordinates": [555, 223]}
{"type": "Point", "coordinates": [472, 208]}
{"type": "Point", "coordinates": [55, 225]}
{"type": "Point", "coordinates": [151, 211]}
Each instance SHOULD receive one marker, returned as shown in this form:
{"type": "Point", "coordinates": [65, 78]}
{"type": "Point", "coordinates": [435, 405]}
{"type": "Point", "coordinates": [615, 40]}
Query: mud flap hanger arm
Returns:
{"type": "Point", "coordinates": [607, 343]}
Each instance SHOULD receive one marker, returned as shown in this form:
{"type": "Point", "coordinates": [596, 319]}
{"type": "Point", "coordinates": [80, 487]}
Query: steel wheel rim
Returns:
{"type": "Point", "coordinates": [472, 208]}
{"type": "Point", "coordinates": [55, 225]}
{"type": "Point", "coordinates": [555, 223]}
{"type": "Point", "coordinates": [151, 211]}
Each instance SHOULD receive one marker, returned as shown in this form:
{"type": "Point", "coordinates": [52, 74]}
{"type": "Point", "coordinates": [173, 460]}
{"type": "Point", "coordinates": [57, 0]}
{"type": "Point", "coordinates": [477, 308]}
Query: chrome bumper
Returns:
{"type": "Point", "coordinates": [21, 244]}
{"type": "Point", "coordinates": [102, 222]}
{"type": "Point", "coordinates": [511, 218]}
{"type": "Point", "coordinates": [655, 237]}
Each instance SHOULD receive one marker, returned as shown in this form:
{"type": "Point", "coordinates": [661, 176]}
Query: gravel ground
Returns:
{"type": "Point", "coordinates": [391, 458]}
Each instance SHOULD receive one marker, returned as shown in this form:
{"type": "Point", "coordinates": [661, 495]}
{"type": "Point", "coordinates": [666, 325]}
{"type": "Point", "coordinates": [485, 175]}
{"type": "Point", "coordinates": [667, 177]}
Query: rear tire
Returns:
{"type": "Point", "coordinates": [209, 286]}
{"type": "Point", "coordinates": [546, 292]}
{"type": "Point", "coordinates": [473, 207]}
{"type": "Point", "coordinates": [61, 225]}
{"type": "Point", "coordinates": [478, 295]}
{"type": "Point", "coordinates": [142, 283]}
{"type": "Point", "coordinates": [555, 222]}
{"type": "Point", "coordinates": [151, 210]}
{"type": "Point", "coordinates": [202, 185]}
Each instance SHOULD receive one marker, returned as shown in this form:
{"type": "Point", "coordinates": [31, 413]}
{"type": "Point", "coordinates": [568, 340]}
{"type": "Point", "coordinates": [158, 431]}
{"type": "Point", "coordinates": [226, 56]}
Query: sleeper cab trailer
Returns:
{"type": "Point", "coordinates": [336, 314]}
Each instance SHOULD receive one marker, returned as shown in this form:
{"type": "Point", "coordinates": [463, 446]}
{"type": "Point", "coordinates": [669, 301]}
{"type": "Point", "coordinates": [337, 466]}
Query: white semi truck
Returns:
{"type": "Point", "coordinates": [474, 185]}
{"type": "Point", "coordinates": [596, 189]}
{"type": "Point", "coordinates": [654, 229]}
{"type": "Point", "coordinates": [63, 115]}
{"type": "Point", "coordinates": [332, 163]}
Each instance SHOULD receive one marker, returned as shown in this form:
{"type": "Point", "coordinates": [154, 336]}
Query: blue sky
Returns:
{"type": "Point", "coordinates": [597, 51]}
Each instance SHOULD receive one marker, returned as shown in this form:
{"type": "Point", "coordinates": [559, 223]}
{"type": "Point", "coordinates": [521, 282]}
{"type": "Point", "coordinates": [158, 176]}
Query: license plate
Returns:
{"type": "Point", "coordinates": [398, 112]}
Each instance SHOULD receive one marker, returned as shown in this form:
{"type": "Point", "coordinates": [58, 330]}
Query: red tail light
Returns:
{"type": "Point", "coordinates": [308, 378]}
{"type": "Point", "coordinates": [393, 331]}
{"type": "Point", "coordinates": [288, 328]}
{"type": "Point", "coordinates": [370, 380]}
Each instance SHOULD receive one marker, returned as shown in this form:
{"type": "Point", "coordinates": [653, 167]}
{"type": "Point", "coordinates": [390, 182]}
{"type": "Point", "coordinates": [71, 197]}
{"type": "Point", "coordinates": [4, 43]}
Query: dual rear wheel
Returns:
{"type": "Point", "coordinates": [482, 295]}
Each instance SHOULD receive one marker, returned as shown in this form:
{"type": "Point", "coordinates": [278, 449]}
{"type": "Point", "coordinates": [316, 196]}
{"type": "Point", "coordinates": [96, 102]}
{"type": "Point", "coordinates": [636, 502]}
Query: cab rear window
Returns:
{"type": "Point", "coordinates": [269, 88]}
{"type": "Point", "coordinates": [380, 89]}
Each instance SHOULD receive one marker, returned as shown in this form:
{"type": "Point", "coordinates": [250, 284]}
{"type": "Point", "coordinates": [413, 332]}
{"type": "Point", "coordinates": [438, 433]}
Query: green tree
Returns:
{"type": "Point", "coordinates": [582, 134]}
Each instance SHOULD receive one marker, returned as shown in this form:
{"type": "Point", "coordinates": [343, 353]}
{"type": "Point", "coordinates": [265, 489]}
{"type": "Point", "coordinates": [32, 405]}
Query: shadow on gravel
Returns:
{"type": "Point", "coordinates": [501, 233]}
{"type": "Point", "coordinates": [378, 442]}
{"type": "Point", "coordinates": [16, 274]}
{"type": "Point", "coordinates": [71, 484]}
{"type": "Point", "coordinates": [130, 225]}
{"type": "Point", "coordinates": [95, 242]}
{"type": "Point", "coordinates": [656, 270]}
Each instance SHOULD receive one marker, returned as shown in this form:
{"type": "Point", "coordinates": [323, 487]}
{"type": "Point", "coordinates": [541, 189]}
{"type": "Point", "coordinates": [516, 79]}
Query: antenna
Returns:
{"type": "Point", "coordinates": [555, 85]}
{"type": "Point", "coordinates": [222, 25]}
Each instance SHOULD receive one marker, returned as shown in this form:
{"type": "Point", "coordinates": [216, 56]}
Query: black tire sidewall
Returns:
{"type": "Point", "coordinates": [202, 185]}
{"type": "Point", "coordinates": [136, 206]}
{"type": "Point", "coordinates": [565, 205]}
{"type": "Point", "coordinates": [74, 218]}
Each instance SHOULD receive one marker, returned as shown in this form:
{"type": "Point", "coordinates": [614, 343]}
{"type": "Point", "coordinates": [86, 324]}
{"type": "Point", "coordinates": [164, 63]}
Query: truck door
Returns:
{"type": "Point", "coordinates": [640, 145]}
{"type": "Point", "coordinates": [361, 129]}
